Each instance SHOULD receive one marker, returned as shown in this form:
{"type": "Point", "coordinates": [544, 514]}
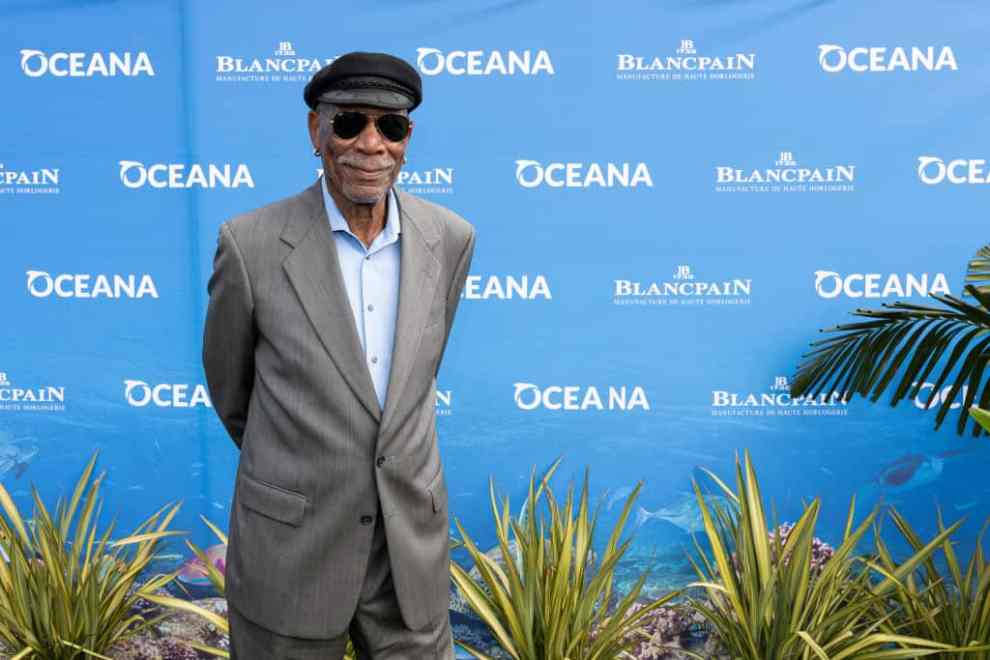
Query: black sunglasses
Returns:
{"type": "Point", "coordinates": [349, 124]}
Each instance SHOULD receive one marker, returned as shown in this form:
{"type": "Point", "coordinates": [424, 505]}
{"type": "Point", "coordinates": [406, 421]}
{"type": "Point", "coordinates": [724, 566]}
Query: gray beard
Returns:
{"type": "Point", "coordinates": [364, 199]}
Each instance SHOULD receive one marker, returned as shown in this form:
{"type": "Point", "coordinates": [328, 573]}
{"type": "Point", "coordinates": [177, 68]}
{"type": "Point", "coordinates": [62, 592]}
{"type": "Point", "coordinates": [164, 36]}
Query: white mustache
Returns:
{"type": "Point", "coordinates": [375, 164]}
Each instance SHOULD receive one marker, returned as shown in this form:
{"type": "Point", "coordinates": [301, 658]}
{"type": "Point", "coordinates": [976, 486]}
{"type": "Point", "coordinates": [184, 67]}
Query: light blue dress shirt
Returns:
{"type": "Point", "coordinates": [371, 277]}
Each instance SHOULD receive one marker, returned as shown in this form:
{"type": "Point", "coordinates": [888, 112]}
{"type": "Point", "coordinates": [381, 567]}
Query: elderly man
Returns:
{"type": "Point", "coordinates": [328, 317]}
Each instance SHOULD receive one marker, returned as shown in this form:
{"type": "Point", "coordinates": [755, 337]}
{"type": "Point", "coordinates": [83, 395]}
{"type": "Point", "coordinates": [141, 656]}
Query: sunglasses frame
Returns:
{"type": "Point", "coordinates": [373, 118]}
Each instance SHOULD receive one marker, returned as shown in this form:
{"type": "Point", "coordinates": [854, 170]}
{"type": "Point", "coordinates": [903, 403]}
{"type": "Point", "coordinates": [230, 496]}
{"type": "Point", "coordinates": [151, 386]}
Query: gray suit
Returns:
{"type": "Point", "coordinates": [287, 377]}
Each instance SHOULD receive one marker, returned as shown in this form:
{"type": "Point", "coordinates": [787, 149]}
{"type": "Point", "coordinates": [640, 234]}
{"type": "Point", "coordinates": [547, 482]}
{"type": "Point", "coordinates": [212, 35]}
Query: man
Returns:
{"type": "Point", "coordinates": [328, 317]}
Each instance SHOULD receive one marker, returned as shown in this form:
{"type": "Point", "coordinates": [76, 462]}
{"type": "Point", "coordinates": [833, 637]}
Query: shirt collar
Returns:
{"type": "Point", "coordinates": [338, 223]}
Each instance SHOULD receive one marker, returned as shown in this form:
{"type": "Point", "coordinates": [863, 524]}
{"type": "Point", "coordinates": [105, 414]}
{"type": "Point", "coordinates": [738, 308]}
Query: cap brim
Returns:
{"type": "Point", "coordinates": [381, 98]}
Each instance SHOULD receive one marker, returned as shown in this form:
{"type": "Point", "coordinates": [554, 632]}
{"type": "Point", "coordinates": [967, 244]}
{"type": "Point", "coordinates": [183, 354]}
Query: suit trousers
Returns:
{"type": "Point", "coordinates": [376, 631]}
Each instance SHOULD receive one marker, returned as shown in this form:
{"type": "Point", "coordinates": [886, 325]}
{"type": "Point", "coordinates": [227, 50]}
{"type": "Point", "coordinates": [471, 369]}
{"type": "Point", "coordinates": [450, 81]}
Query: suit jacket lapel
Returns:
{"type": "Point", "coordinates": [419, 270]}
{"type": "Point", "coordinates": [314, 270]}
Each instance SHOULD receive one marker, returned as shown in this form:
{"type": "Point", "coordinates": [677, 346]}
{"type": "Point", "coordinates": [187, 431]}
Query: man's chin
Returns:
{"type": "Point", "coordinates": [365, 197]}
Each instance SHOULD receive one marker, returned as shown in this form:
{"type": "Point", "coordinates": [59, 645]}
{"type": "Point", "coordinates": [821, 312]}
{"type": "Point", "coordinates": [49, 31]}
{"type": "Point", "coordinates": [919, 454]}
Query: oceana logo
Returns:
{"type": "Point", "coordinates": [833, 58]}
{"type": "Point", "coordinates": [529, 396]}
{"type": "Point", "coordinates": [933, 170]}
{"type": "Point", "coordinates": [134, 174]}
{"type": "Point", "coordinates": [532, 174]}
{"type": "Point", "coordinates": [37, 63]}
{"type": "Point", "coordinates": [433, 61]}
{"type": "Point", "coordinates": [42, 284]}
{"type": "Point", "coordinates": [829, 284]}
{"type": "Point", "coordinates": [940, 398]}
{"type": "Point", "coordinates": [139, 394]}
{"type": "Point", "coordinates": [506, 287]}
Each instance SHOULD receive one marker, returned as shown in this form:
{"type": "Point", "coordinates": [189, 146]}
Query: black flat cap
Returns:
{"type": "Point", "coordinates": [377, 79]}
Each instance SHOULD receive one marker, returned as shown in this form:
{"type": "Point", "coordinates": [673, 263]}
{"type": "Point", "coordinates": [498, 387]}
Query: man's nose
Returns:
{"type": "Point", "coordinates": [370, 140]}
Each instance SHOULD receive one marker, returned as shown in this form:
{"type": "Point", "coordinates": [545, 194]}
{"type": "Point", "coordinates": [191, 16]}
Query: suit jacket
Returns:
{"type": "Point", "coordinates": [288, 379]}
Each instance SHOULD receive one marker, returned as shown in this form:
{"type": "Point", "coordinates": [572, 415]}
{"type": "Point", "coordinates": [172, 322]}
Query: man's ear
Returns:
{"type": "Point", "coordinates": [313, 119]}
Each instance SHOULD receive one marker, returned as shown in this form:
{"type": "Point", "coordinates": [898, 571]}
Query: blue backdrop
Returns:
{"type": "Point", "coordinates": [670, 198]}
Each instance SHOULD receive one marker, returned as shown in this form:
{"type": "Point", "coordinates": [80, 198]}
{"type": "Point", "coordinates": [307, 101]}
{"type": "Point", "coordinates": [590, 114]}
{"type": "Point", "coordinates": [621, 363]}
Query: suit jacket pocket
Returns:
{"type": "Point", "coordinates": [272, 501]}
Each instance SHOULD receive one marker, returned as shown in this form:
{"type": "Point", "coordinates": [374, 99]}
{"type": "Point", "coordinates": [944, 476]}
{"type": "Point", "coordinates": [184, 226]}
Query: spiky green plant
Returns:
{"type": "Point", "coordinates": [953, 608]}
{"type": "Point", "coordinates": [546, 602]}
{"type": "Point", "coordinates": [219, 583]}
{"type": "Point", "coordinates": [866, 356]}
{"type": "Point", "coordinates": [67, 590]}
{"type": "Point", "coordinates": [764, 600]}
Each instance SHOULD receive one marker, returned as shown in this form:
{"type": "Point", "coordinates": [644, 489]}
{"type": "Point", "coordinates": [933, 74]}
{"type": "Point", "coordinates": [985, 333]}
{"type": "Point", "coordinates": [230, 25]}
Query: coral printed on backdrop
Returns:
{"type": "Point", "coordinates": [714, 240]}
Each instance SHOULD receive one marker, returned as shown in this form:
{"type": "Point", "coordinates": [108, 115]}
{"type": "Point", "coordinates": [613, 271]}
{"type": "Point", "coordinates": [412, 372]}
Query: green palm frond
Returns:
{"type": "Point", "coordinates": [864, 358]}
{"type": "Point", "coordinates": [978, 271]}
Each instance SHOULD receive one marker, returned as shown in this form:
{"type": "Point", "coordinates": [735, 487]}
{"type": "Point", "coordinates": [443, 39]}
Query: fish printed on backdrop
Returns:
{"type": "Point", "coordinates": [193, 576]}
{"type": "Point", "coordinates": [619, 495]}
{"type": "Point", "coordinates": [684, 512]}
{"type": "Point", "coordinates": [908, 473]}
{"type": "Point", "coordinates": [16, 454]}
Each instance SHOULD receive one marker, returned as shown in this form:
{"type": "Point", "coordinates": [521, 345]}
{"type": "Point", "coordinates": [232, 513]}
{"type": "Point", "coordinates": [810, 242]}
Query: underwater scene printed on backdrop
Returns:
{"type": "Point", "coordinates": [664, 447]}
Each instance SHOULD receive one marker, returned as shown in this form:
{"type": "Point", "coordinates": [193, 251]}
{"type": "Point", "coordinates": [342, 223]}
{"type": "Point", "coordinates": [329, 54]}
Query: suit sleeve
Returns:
{"type": "Point", "coordinates": [454, 292]}
{"type": "Point", "coordinates": [229, 336]}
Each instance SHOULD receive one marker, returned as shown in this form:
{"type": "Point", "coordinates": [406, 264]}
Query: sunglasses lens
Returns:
{"type": "Point", "coordinates": [394, 127]}
{"type": "Point", "coordinates": [348, 124]}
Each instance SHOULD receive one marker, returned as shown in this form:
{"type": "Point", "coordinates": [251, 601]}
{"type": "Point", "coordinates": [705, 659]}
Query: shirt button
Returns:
{"type": "Point", "coordinates": [366, 520]}
{"type": "Point", "coordinates": [374, 360]}
{"type": "Point", "coordinates": [380, 462]}
{"type": "Point", "coordinates": [367, 258]}
{"type": "Point", "coordinates": [371, 308]}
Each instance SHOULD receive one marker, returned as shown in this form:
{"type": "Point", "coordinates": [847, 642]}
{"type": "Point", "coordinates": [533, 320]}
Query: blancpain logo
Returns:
{"type": "Point", "coordinates": [436, 181]}
{"type": "Point", "coordinates": [576, 397]}
{"type": "Point", "coordinates": [139, 394]}
{"type": "Point", "coordinates": [932, 171]}
{"type": "Point", "coordinates": [830, 284]}
{"type": "Point", "coordinates": [37, 63]}
{"type": "Point", "coordinates": [532, 174]}
{"type": "Point", "coordinates": [777, 401]}
{"type": "Point", "coordinates": [683, 288]}
{"type": "Point", "coordinates": [44, 398]}
{"type": "Point", "coordinates": [134, 174]}
{"type": "Point", "coordinates": [433, 61]}
{"type": "Point", "coordinates": [862, 59]}
{"type": "Point", "coordinates": [506, 287]}
{"type": "Point", "coordinates": [444, 403]}
{"type": "Point", "coordinates": [281, 66]}
{"type": "Point", "coordinates": [42, 284]}
{"type": "Point", "coordinates": [786, 176]}
{"type": "Point", "coordinates": [686, 64]}
{"type": "Point", "coordinates": [31, 182]}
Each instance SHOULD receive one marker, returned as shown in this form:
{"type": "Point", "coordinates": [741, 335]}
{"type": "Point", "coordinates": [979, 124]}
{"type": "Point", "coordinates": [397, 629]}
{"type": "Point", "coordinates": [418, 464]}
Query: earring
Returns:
{"type": "Point", "coordinates": [403, 159]}
{"type": "Point", "coordinates": [316, 151]}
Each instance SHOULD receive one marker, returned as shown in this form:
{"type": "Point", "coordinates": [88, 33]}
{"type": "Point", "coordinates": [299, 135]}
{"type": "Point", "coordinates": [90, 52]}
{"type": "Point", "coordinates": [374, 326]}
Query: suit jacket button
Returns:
{"type": "Point", "coordinates": [366, 520]}
{"type": "Point", "coordinates": [381, 461]}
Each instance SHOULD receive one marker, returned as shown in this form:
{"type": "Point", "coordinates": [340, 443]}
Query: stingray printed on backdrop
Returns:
{"type": "Point", "coordinates": [671, 200]}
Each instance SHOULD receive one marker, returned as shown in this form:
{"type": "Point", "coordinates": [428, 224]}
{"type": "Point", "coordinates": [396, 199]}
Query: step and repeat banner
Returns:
{"type": "Point", "coordinates": [671, 199]}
